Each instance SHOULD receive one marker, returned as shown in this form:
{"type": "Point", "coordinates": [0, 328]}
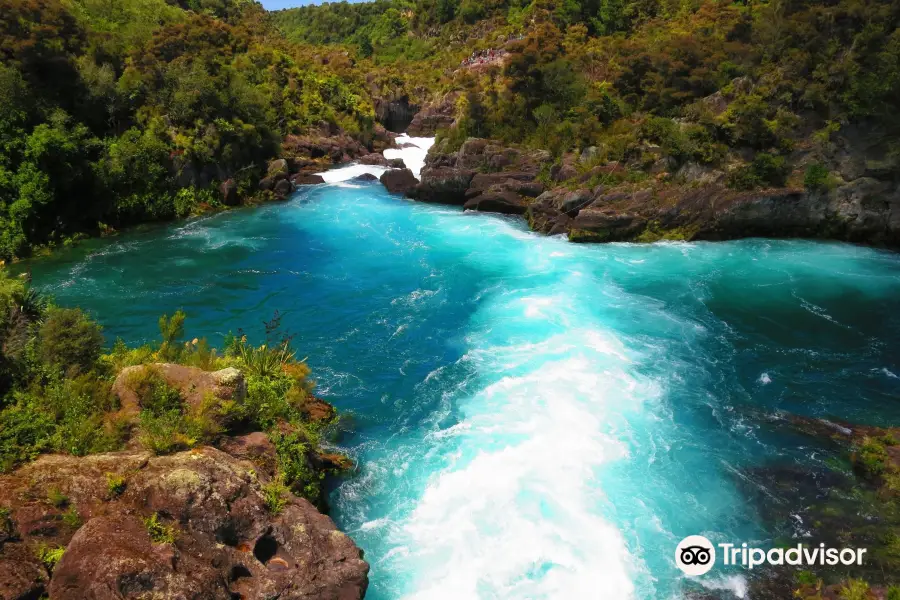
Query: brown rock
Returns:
{"type": "Point", "coordinates": [399, 181]}
{"type": "Point", "coordinates": [506, 202]}
{"type": "Point", "coordinates": [365, 178]}
{"type": "Point", "coordinates": [303, 179]}
{"type": "Point", "coordinates": [228, 190]}
{"type": "Point", "coordinates": [284, 188]}
{"type": "Point", "coordinates": [193, 384]}
{"type": "Point", "coordinates": [278, 169]}
{"type": "Point", "coordinates": [443, 185]}
{"type": "Point", "coordinates": [375, 158]}
{"type": "Point", "coordinates": [266, 184]}
{"type": "Point", "coordinates": [433, 116]}
{"type": "Point", "coordinates": [226, 543]}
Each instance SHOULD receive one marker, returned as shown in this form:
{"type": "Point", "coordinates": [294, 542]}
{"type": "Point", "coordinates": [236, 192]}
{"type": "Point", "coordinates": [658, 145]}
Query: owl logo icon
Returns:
{"type": "Point", "coordinates": [695, 555]}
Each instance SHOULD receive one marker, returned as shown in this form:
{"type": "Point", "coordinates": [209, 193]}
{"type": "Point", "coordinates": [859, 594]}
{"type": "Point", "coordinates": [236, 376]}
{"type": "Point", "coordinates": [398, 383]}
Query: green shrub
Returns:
{"type": "Point", "coordinates": [72, 518]}
{"type": "Point", "coordinates": [854, 589]}
{"type": "Point", "coordinates": [816, 177]}
{"type": "Point", "coordinates": [25, 432]}
{"type": "Point", "coordinates": [159, 533]}
{"type": "Point", "coordinates": [765, 170]}
{"type": "Point", "coordinates": [293, 450]}
{"type": "Point", "coordinates": [69, 339]}
{"type": "Point", "coordinates": [275, 495]}
{"type": "Point", "coordinates": [871, 457]}
{"type": "Point", "coordinates": [172, 330]}
{"type": "Point", "coordinates": [154, 393]}
{"type": "Point", "coordinates": [115, 485]}
{"type": "Point", "coordinates": [50, 555]}
{"type": "Point", "coordinates": [56, 498]}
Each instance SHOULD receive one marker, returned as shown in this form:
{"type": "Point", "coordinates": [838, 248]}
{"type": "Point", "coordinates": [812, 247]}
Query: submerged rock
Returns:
{"type": "Point", "coordinates": [365, 178]}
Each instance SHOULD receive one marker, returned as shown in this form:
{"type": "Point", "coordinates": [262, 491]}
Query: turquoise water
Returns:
{"type": "Point", "coordinates": [533, 419]}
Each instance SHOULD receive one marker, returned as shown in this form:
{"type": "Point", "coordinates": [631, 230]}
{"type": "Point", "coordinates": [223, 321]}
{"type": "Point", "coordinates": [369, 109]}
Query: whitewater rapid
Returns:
{"type": "Point", "coordinates": [413, 156]}
{"type": "Point", "coordinates": [532, 419]}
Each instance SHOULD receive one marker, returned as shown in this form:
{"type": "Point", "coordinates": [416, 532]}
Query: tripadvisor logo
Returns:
{"type": "Point", "coordinates": [696, 555]}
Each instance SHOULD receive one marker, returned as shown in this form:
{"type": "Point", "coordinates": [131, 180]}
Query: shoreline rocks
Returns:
{"type": "Point", "coordinates": [486, 176]}
{"type": "Point", "coordinates": [399, 181]}
{"type": "Point", "coordinates": [193, 523]}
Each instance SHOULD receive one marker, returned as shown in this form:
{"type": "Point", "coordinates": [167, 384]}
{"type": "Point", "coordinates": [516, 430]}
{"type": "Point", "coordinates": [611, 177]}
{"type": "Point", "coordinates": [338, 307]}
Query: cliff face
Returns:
{"type": "Point", "coordinates": [861, 202]}
{"type": "Point", "coordinates": [193, 524]}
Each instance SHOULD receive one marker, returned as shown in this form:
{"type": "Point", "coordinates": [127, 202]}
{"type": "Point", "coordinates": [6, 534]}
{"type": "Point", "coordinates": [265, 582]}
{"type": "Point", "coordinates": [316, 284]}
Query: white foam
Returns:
{"type": "Point", "coordinates": [414, 157]}
{"type": "Point", "coordinates": [349, 172]}
{"type": "Point", "coordinates": [765, 379]}
{"type": "Point", "coordinates": [517, 512]}
{"type": "Point", "coordinates": [735, 584]}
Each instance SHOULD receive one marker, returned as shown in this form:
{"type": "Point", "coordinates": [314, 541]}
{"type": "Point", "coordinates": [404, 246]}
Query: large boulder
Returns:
{"type": "Point", "coordinates": [278, 169]}
{"type": "Point", "coordinates": [213, 536]}
{"type": "Point", "coordinates": [443, 185]}
{"type": "Point", "coordinates": [307, 179]}
{"type": "Point", "coordinates": [364, 178]}
{"type": "Point", "coordinates": [283, 189]}
{"type": "Point", "coordinates": [399, 181]}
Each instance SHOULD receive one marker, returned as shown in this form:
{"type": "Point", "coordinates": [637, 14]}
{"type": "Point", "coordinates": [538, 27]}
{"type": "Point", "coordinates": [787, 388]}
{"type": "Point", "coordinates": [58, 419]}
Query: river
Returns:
{"type": "Point", "coordinates": [533, 419]}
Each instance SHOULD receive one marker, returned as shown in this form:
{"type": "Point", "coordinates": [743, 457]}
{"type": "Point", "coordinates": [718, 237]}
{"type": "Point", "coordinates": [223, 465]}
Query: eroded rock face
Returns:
{"type": "Point", "coordinates": [336, 148]}
{"type": "Point", "coordinates": [227, 544]}
{"type": "Point", "coordinates": [434, 116]}
{"type": "Point", "coordinates": [482, 175]}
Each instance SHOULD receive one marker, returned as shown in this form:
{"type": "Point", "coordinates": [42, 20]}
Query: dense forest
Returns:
{"type": "Point", "coordinates": [114, 112]}
{"type": "Point", "coordinates": [120, 112]}
{"type": "Point", "coordinates": [710, 81]}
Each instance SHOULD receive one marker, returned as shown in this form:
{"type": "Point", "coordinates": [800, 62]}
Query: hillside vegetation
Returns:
{"type": "Point", "coordinates": [115, 112]}
{"type": "Point", "coordinates": [741, 85]}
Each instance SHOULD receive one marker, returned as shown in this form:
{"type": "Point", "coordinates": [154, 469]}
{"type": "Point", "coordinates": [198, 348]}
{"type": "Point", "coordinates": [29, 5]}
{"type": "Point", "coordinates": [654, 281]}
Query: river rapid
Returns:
{"type": "Point", "coordinates": [533, 419]}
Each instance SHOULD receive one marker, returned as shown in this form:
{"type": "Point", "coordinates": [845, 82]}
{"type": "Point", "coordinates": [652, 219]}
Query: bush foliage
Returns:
{"type": "Point", "coordinates": [57, 397]}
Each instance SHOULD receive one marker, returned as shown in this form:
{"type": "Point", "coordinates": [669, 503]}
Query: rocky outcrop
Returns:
{"type": "Point", "coordinates": [336, 148]}
{"type": "Point", "coordinates": [443, 185]}
{"type": "Point", "coordinates": [305, 179]}
{"type": "Point", "coordinates": [482, 175]}
{"type": "Point", "coordinates": [193, 384]}
{"type": "Point", "coordinates": [686, 202]}
{"type": "Point", "coordinates": [378, 159]}
{"type": "Point", "coordinates": [399, 181]}
{"type": "Point", "coordinates": [436, 115]}
{"type": "Point", "coordinates": [865, 210]}
{"type": "Point", "coordinates": [365, 178]}
{"type": "Point", "coordinates": [189, 525]}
